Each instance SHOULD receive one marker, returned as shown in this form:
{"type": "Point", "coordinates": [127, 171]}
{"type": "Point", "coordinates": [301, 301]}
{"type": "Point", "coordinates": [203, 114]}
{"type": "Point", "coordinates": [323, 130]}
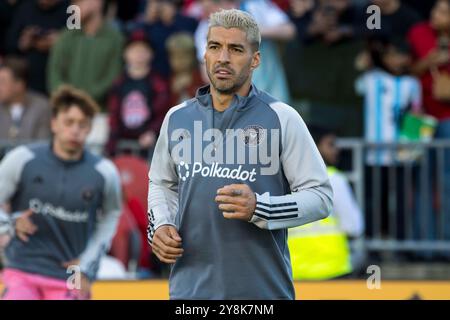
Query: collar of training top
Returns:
{"type": "Point", "coordinates": [203, 96]}
{"type": "Point", "coordinates": [62, 161]}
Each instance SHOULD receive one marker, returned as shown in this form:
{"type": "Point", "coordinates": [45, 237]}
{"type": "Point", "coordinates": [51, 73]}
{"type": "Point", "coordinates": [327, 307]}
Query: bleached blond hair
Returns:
{"type": "Point", "coordinates": [234, 18]}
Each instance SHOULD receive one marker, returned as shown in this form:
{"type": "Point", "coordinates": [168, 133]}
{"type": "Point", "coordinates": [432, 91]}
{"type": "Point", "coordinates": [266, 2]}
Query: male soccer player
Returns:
{"type": "Point", "coordinates": [65, 205]}
{"type": "Point", "coordinates": [233, 168]}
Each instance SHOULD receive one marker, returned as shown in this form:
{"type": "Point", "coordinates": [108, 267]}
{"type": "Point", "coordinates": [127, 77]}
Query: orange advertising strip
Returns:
{"type": "Point", "coordinates": [327, 290]}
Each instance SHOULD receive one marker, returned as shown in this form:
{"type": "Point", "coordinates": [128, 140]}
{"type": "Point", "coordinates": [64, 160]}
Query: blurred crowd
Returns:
{"type": "Point", "coordinates": [138, 58]}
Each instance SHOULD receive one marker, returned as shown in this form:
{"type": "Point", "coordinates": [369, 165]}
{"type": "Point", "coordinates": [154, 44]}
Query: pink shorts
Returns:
{"type": "Point", "coordinates": [19, 285]}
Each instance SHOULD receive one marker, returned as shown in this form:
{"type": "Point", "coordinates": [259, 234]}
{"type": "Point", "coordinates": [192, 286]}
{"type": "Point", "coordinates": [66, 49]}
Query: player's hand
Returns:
{"type": "Point", "coordinates": [24, 226]}
{"type": "Point", "coordinates": [237, 201]}
{"type": "Point", "coordinates": [166, 244]}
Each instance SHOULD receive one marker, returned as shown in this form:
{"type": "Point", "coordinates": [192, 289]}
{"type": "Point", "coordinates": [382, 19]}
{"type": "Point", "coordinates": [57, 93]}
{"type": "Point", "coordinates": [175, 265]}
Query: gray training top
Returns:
{"type": "Point", "coordinates": [271, 150]}
{"type": "Point", "coordinates": [76, 207]}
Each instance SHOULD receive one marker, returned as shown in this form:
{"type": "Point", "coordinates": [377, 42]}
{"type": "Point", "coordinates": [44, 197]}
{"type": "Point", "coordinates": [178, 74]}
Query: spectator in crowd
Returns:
{"type": "Point", "coordinates": [421, 7]}
{"type": "Point", "coordinates": [431, 50]}
{"type": "Point", "coordinates": [7, 9]}
{"type": "Point", "coordinates": [430, 47]}
{"type": "Point", "coordinates": [125, 11]}
{"type": "Point", "coordinates": [321, 250]}
{"type": "Point", "coordinates": [275, 26]}
{"type": "Point", "coordinates": [389, 91]}
{"type": "Point", "coordinates": [330, 21]}
{"type": "Point", "coordinates": [89, 58]}
{"type": "Point", "coordinates": [24, 114]}
{"type": "Point", "coordinates": [301, 11]}
{"type": "Point", "coordinates": [163, 18]}
{"type": "Point", "coordinates": [139, 98]}
{"type": "Point", "coordinates": [34, 30]}
{"type": "Point", "coordinates": [185, 78]}
{"type": "Point", "coordinates": [396, 18]}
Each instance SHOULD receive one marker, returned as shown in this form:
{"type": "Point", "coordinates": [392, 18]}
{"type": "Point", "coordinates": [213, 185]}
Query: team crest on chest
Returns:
{"type": "Point", "coordinates": [253, 135]}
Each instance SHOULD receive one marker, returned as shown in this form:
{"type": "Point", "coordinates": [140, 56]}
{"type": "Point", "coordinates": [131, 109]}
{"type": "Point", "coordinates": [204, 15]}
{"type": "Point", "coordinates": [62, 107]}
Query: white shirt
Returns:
{"type": "Point", "coordinates": [385, 97]}
{"type": "Point", "coordinates": [345, 207]}
{"type": "Point", "coordinates": [16, 111]}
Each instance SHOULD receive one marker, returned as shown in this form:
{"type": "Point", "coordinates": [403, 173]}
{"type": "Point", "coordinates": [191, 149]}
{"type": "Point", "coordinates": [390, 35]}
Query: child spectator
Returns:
{"type": "Point", "coordinates": [186, 77]}
{"type": "Point", "coordinates": [139, 98]}
{"type": "Point", "coordinates": [388, 93]}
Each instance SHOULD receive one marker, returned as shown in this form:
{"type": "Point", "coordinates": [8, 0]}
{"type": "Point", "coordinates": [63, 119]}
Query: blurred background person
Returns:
{"type": "Point", "coordinates": [125, 12]}
{"type": "Point", "coordinates": [7, 9]}
{"type": "Point", "coordinates": [162, 19]}
{"type": "Point", "coordinates": [321, 250]}
{"type": "Point", "coordinates": [430, 43]}
{"type": "Point", "coordinates": [24, 114]}
{"type": "Point", "coordinates": [139, 98]}
{"type": "Point", "coordinates": [397, 17]}
{"type": "Point", "coordinates": [329, 21]}
{"type": "Point", "coordinates": [319, 64]}
{"type": "Point", "coordinates": [275, 27]}
{"type": "Point", "coordinates": [89, 59]}
{"type": "Point", "coordinates": [185, 78]}
{"type": "Point", "coordinates": [389, 91]}
{"type": "Point", "coordinates": [34, 29]}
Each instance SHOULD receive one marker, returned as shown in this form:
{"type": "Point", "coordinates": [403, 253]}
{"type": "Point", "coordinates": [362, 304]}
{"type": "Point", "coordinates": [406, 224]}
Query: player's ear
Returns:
{"type": "Point", "coordinates": [54, 124]}
{"type": "Point", "coordinates": [256, 60]}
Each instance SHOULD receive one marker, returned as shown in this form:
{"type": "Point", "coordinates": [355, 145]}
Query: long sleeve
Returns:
{"type": "Point", "coordinates": [10, 174]}
{"type": "Point", "coordinates": [163, 184]}
{"type": "Point", "coordinates": [311, 194]}
{"type": "Point", "coordinates": [106, 224]}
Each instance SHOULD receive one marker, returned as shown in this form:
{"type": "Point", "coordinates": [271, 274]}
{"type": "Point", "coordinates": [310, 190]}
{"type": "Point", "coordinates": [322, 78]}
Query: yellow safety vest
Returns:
{"type": "Point", "coordinates": [319, 250]}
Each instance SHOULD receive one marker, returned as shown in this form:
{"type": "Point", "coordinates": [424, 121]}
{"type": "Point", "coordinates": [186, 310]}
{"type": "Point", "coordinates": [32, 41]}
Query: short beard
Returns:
{"type": "Point", "coordinates": [234, 87]}
{"type": "Point", "coordinates": [227, 91]}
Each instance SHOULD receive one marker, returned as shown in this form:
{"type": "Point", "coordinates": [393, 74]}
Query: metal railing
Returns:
{"type": "Point", "coordinates": [405, 194]}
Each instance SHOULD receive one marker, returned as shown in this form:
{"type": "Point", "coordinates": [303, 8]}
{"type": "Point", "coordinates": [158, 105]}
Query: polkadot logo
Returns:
{"type": "Point", "coordinates": [183, 170]}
